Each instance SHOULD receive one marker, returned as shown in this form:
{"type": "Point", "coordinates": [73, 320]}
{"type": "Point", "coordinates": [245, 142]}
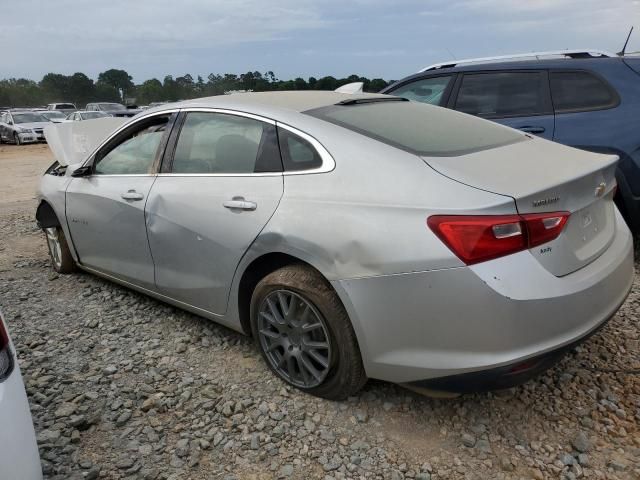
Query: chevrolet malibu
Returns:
{"type": "Point", "coordinates": [353, 236]}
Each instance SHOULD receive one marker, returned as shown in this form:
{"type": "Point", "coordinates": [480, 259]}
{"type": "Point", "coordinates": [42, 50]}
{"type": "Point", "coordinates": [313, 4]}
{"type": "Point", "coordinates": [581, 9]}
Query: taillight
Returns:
{"type": "Point", "coordinates": [6, 357]}
{"type": "Point", "coordinates": [480, 238]}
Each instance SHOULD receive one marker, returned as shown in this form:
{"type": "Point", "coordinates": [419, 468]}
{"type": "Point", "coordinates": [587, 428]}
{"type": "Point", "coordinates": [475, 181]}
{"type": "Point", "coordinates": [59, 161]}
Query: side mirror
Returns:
{"type": "Point", "coordinates": [82, 171]}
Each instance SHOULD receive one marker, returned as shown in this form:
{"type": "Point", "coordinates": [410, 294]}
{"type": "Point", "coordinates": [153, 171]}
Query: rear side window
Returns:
{"type": "Point", "coordinates": [419, 128]}
{"type": "Point", "coordinates": [504, 94]}
{"type": "Point", "coordinates": [427, 90]}
{"type": "Point", "coordinates": [215, 143]}
{"type": "Point", "coordinates": [297, 153]}
{"type": "Point", "coordinates": [580, 91]}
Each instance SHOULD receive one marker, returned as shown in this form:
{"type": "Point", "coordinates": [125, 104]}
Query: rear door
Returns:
{"type": "Point", "coordinates": [220, 185]}
{"type": "Point", "coordinates": [518, 99]}
{"type": "Point", "coordinates": [105, 210]}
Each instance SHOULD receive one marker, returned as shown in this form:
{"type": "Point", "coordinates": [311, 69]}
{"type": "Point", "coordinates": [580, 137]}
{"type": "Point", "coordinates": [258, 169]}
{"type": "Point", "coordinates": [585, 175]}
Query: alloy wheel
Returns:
{"type": "Point", "coordinates": [53, 239]}
{"type": "Point", "coordinates": [294, 337]}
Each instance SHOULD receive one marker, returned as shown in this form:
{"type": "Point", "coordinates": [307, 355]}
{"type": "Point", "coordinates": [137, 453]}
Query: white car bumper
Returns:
{"type": "Point", "coordinates": [19, 457]}
{"type": "Point", "coordinates": [28, 137]}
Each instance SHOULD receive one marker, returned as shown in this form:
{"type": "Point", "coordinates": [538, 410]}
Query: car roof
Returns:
{"type": "Point", "coordinates": [532, 64]}
{"type": "Point", "coordinates": [295, 100]}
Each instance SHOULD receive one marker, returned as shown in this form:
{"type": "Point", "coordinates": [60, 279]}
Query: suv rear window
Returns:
{"type": "Point", "coordinates": [580, 91]}
{"type": "Point", "coordinates": [419, 128]}
{"type": "Point", "coordinates": [504, 94]}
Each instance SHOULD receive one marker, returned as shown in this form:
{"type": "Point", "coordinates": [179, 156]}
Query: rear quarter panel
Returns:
{"type": "Point", "coordinates": [368, 216]}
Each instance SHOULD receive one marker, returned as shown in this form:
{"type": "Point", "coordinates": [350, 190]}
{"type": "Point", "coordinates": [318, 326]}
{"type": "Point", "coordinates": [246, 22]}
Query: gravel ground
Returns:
{"type": "Point", "coordinates": [123, 386]}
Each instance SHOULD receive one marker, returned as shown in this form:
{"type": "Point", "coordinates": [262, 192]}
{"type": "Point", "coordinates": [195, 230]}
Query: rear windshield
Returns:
{"type": "Point", "coordinates": [65, 106]}
{"type": "Point", "coordinates": [419, 128]}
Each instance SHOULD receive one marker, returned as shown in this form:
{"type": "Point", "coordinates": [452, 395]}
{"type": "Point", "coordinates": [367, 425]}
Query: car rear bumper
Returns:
{"type": "Point", "coordinates": [424, 325]}
{"type": "Point", "coordinates": [19, 456]}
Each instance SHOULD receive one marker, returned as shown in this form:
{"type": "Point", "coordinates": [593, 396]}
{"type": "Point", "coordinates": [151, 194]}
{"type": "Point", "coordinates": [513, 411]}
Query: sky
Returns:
{"type": "Point", "coordinates": [294, 38]}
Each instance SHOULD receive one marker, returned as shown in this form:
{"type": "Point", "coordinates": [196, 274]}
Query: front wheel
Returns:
{"type": "Point", "coordinates": [61, 258]}
{"type": "Point", "coordinates": [16, 139]}
{"type": "Point", "coordinates": [304, 333]}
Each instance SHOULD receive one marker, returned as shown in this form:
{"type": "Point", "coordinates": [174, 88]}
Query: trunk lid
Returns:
{"type": "Point", "coordinates": [542, 176]}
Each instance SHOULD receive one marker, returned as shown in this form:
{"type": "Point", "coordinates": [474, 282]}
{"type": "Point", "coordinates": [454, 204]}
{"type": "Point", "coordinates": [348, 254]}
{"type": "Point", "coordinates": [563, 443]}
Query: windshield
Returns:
{"type": "Point", "coordinates": [111, 106]}
{"type": "Point", "coordinates": [51, 115]}
{"type": "Point", "coordinates": [28, 118]}
{"type": "Point", "coordinates": [419, 128]}
{"type": "Point", "coordinates": [65, 106]}
{"type": "Point", "coordinates": [92, 115]}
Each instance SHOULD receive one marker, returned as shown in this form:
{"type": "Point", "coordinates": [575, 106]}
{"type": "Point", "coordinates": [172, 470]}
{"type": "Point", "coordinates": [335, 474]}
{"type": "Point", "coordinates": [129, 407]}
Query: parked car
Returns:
{"type": "Point", "coordinates": [22, 127]}
{"type": "Point", "coordinates": [53, 116]}
{"type": "Point", "coordinates": [353, 236]}
{"type": "Point", "coordinates": [112, 109]}
{"type": "Point", "coordinates": [587, 100]}
{"type": "Point", "coordinates": [19, 457]}
{"type": "Point", "coordinates": [85, 115]}
{"type": "Point", "coordinates": [62, 107]}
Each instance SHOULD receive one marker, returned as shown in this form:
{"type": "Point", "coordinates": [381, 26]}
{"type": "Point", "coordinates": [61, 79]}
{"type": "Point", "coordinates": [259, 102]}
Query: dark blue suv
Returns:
{"type": "Point", "coordinates": [588, 101]}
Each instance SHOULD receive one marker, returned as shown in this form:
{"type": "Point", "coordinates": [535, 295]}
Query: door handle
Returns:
{"type": "Point", "coordinates": [239, 203]}
{"type": "Point", "coordinates": [529, 129]}
{"type": "Point", "coordinates": [132, 195]}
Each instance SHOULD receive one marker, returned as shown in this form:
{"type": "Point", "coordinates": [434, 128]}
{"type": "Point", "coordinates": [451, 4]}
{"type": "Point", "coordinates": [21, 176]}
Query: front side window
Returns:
{"type": "Point", "coordinates": [216, 143]}
{"type": "Point", "coordinates": [428, 90]}
{"type": "Point", "coordinates": [504, 94]}
{"type": "Point", "coordinates": [135, 153]}
{"type": "Point", "coordinates": [580, 91]}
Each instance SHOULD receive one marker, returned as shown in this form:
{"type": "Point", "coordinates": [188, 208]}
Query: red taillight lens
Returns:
{"type": "Point", "coordinates": [477, 239]}
{"type": "Point", "coordinates": [6, 357]}
{"type": "Point", "coordinates": [544, 227]}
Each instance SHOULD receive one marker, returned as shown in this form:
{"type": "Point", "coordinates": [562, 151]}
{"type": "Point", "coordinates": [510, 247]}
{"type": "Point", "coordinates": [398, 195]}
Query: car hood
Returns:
{"type": "Point", "coordinates": [32, 125]}
{"type": "Point", "coordinates": [72, 142]}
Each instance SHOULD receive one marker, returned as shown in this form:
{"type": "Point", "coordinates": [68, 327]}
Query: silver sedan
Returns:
{"type": "Point", "coordinates": [353, 236]}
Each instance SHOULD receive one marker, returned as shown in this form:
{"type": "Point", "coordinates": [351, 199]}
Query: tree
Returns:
{"type": "Point", "coordinates": [56, 87]}
{"type": "Point", "coordinates": [150, 91]}
{"type": "Point", "coordinates": [81, 89]}
{"type": "Point", "coordinates": [118, 79]}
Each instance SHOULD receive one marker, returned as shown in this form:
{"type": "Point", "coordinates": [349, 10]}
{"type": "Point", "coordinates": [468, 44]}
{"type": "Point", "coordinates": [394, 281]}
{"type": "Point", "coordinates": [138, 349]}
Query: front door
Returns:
{"type": "Point", "coordinates": [105, 210]}
{"type": "Point", "coordinates": [518, 99]}
{"type": "Point", "coordinates": [224, 183]}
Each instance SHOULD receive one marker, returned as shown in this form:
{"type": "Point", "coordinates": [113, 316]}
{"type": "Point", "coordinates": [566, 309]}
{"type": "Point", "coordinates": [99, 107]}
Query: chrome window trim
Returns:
{"type": "Point", "coordinates": [328, 163]}
{"type": "Point", "coordinates": [237, 113]}
{"type": "Point", "coordinates": [264, 174]}
{"type": "Point", "coordinates": [102, 175]}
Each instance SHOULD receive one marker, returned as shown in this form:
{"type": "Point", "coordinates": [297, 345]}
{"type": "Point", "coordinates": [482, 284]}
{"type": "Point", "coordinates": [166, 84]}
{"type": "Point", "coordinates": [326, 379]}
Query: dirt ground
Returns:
{"type": "Point", "coordinates": [22, 168]}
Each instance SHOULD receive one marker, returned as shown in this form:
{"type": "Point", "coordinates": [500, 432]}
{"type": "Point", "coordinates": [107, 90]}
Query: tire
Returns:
{"type": "Point", "coordinates": [335, 372]}
{"type": "Point", "coordinates": [16, 138]}
{"type": "Point", "coordinates": [59, 253]}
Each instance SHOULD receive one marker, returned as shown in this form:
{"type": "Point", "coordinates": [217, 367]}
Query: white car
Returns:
{"type": "Point", "coordinates": [19, 457]}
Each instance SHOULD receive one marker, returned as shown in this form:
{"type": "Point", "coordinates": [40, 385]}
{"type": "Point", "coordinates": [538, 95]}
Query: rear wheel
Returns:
{"type": "Point", "coordinates": [61, 258]}
{"type": "Point", "coordinates": [304, 333]}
